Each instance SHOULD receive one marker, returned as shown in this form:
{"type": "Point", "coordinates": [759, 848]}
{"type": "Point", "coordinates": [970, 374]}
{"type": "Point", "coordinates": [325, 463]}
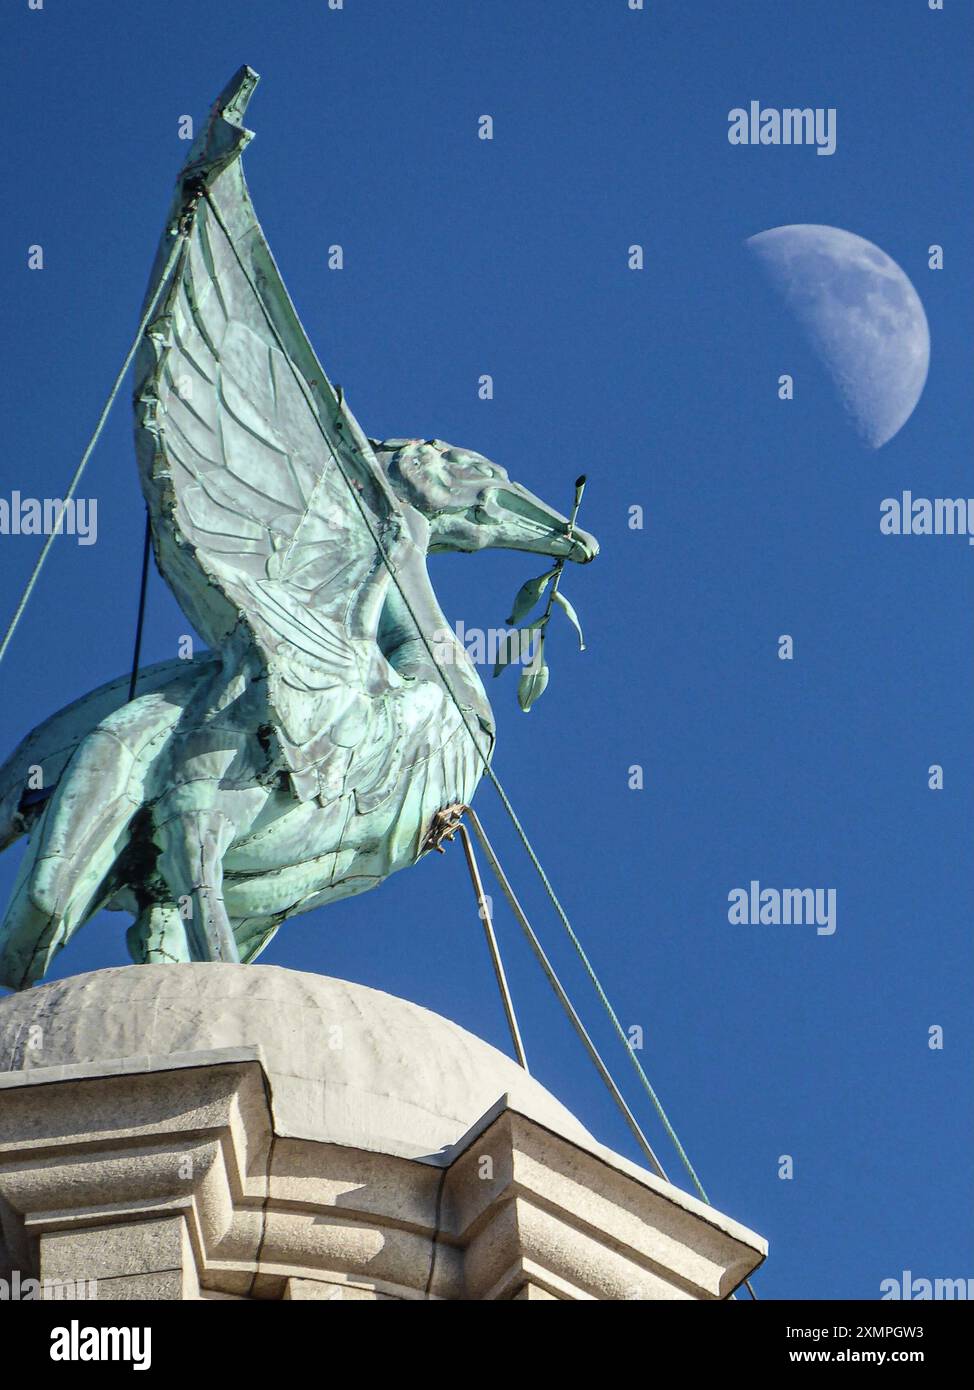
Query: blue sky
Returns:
{"type": "Point", "coordinates": [761, 518]}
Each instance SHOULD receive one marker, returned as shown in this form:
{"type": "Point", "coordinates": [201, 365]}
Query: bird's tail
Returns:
{"type": "Point", "coordinates": [83, 828]}
{"type": "Point", "coordinates": [72, 850]}
{"type": "Point", "coordinates": [34, 768]}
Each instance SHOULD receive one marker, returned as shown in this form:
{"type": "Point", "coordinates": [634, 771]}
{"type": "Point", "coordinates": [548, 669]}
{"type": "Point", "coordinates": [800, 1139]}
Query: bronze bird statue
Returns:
{"type": "Point", "coordinates": [304, 757]}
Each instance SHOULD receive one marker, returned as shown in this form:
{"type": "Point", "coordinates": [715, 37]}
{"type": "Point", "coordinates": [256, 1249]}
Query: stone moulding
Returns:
{"type": "Point", "coordinates": [168, 1178]}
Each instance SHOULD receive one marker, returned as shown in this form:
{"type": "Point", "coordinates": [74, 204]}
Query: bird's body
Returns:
{"type": "Point", "coordinates": [191, 754]}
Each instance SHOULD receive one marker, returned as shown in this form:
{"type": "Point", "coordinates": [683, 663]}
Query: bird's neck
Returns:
{"type": "Point", "coordinates": [404, 648]}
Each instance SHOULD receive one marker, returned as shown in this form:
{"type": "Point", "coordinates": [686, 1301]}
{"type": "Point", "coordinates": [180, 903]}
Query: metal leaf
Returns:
{"type": "Point", "coordinates": [533, 680]}
{"type": "Point", "coordinates": [513, 644]}
{"type": "Point", "coordinates": [529, 594]}
{"type": "Point", "coordinates": [572, 617]}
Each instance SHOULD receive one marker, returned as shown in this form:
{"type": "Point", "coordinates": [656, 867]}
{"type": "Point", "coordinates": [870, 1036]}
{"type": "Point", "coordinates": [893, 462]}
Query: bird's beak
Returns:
{"type": "Point", "coordinates": [524, 522]}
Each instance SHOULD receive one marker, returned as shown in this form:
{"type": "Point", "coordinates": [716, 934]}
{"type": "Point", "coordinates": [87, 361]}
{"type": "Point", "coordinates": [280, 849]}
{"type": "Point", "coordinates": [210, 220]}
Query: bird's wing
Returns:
{"type": "Point", "coordinates": [265, 495]}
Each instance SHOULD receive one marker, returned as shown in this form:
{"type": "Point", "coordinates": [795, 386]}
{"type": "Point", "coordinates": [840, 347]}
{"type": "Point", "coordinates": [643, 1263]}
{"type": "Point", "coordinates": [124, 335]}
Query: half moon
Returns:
{"type": "Point", "coordinates": [861, 315]}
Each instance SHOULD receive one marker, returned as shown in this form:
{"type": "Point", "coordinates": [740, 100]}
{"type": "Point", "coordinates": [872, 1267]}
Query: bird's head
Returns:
{"type": "Point", "coordinates": [471, 503]}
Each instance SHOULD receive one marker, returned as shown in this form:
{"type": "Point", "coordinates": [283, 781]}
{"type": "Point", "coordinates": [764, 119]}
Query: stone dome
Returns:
{"type": "Point", "coordinates": [346, 1064]}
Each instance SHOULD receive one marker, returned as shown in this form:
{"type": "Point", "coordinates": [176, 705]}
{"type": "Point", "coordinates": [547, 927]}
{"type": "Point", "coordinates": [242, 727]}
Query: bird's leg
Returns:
{"type": "Point", "coordinates": [192, 845]}
{"type": "Point", "coordinates": [159, 936]}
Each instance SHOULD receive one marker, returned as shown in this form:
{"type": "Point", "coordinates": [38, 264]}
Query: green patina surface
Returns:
{"type": "Point", "coordinates": [303, 758]}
